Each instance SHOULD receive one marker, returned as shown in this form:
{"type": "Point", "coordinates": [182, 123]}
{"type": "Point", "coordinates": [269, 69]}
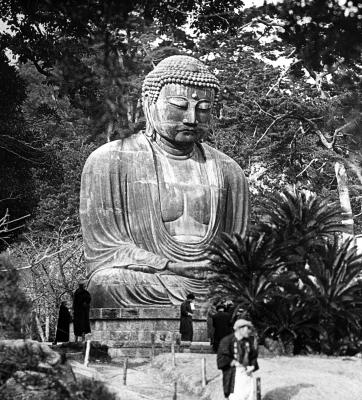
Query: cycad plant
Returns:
{"type": "Point", "coordinates": [294, 278]}
{"type": "Point", "coordinates": [292, 320]}
{"type": "Point", "coordinates": [332, 279]}
{"type": "Point", "coordinates": [244, 270]}
{"type": "Point", "coordinates": [299, 223]}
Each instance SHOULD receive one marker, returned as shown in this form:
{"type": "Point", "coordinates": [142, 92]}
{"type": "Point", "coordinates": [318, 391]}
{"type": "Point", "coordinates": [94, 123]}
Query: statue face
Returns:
{"type": "Point", "coordinates": [182, 113]}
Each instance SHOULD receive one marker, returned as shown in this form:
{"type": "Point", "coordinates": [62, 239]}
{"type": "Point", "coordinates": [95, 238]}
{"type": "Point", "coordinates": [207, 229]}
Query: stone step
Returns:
{"type": "Point", "coordinates": [78, 356]}
{"type": "Point", "coordinates": [201, 347]}
{"type": "Point", "coordinates": [145, 350]}
{"type": "Point", "coordinates": [195, 347]}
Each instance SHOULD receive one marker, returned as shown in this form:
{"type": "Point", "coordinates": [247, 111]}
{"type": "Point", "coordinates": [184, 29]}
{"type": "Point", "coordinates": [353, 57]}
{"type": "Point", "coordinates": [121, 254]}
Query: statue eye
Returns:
{"type": "Point", "coordinates": [178, 102]}
{"type": "Point", "coordinates": [204, 105]}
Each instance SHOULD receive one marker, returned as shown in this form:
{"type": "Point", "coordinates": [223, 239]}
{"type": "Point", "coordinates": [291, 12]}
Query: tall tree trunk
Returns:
{"type": "Point", "coordinates": [342, 181]}
{"type": "Point", "coordinates": [39, 328]}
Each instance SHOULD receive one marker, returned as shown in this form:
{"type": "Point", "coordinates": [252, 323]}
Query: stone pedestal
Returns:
{"type": "Point", "coordinates": [143, 331]}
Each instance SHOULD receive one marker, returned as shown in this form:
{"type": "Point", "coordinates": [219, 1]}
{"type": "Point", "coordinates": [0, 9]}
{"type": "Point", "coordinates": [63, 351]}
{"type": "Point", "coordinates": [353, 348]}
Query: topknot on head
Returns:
{"type": "Point", "coordinates": [184, 70]}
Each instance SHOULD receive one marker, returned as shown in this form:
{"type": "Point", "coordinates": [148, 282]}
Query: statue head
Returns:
{"type": "Point", "coordinates": [178, 98]}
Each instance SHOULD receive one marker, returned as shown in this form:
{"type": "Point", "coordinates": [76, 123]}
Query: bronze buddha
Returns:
{"type": "Point", "coordinates": [152, 203]}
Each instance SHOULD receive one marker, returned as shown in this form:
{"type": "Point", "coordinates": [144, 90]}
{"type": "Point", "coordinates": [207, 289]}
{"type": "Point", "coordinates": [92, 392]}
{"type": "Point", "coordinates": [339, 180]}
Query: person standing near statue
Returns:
{"type": "Point", "coordinates": [221, 322]}
{"type": "Point", "coordinates": [64, 319]}
{"type": "Point", "coordinates": [81, 304]}
{"type": "Point", "coordinates": [237, 358]}
{"type": "Point", "coordinates": [187, 309]}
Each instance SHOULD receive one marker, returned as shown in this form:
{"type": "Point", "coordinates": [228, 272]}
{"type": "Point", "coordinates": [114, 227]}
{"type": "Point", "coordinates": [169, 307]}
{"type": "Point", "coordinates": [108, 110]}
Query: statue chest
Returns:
{"type": "Point", "coordinates": [185, 198]}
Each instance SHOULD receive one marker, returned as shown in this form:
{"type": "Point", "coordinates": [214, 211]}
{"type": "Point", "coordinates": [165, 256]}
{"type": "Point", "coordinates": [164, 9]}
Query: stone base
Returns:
{"type": "Point", "coordinates": [143, 331]}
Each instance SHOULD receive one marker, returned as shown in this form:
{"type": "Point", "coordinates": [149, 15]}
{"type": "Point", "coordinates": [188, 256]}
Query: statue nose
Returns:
{"type": "Point", "coordinates": [190, 118]}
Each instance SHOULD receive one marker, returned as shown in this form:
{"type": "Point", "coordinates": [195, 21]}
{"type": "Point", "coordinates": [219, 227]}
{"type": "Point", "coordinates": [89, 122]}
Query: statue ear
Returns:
{"type": "Point", "coordinates": [148, 108]}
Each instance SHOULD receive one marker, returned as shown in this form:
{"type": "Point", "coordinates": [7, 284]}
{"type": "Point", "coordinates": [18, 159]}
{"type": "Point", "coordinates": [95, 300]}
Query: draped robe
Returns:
{"type": "Point", "coordinates": [120, 212]}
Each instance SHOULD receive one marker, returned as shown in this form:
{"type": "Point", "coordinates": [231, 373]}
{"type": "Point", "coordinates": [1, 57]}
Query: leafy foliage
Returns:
{"type": "Point", "coordinates": [323, 31]}
{"type": "Point", "coordinates": [332, 280]}
{"type": "Point", "coordinates": [297, 282]}
{"type": "Point", "coordinates": [244, 269]}
{"type": "Point", "coordinates": [299, 222]}
{"type": "Point", "coordinates": [14, 306]}
{"type": "Point", "coordinates": [291, 129]}
{"type": "Point", "coordinates": [17, 155]}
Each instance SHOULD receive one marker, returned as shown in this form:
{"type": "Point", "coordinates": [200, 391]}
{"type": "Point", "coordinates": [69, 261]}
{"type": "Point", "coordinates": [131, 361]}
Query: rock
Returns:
{"type": "Point", "coordinates": [30, 370]}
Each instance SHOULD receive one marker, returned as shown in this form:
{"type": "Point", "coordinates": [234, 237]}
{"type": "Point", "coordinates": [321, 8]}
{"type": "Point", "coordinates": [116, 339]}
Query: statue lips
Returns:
{"type": "Point", "coordinates": [191, 134]}
{"type": "Point", "coordinates": [190, 131]}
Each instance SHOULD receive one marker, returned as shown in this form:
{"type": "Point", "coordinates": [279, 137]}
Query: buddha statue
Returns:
{"type": "Point", "coordinates": [152, 203]}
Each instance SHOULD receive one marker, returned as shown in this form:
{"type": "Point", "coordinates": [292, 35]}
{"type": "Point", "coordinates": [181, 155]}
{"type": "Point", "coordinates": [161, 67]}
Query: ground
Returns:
{"type": "Point", "coordinates": [282, 378]}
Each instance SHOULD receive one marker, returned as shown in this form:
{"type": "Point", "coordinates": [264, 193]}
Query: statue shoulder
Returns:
{"type": "Point", "coordinates": [226, 161]}
{"type": "Point", "coordinates": [117, 149]}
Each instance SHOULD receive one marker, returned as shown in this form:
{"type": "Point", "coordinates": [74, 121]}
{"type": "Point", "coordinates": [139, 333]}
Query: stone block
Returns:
{"type": "Point", "coordinates": [97, 325]}
{"type": "Point", "coordinates": [98, 335]}
{"type": "Point", "coordinates": [131, 331]}
{"type": "Point", "coordinates": [111, 313]}
{"type": "Point", "coordinates": [159, 313]}
{"type": "Point", "coordinates": [111, 325]}
{"type": "Point", "coordinates": [163, 313]}
{"type": "Point", "coordinates": [122, 336]}
{"type": "Point", "coordinates": [166, 325]}
{"type": "Point", "coordinates": [95, 313]}
{"type": "Point", "coordinates": [129, 312]}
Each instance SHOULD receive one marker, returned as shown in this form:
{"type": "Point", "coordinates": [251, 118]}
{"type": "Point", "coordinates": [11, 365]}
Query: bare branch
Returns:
{"type": "Point", "coordinates": [284, 72]}
{"type": "Point", "coordinates": [276, 120]}
{"type": "Point", "coordinates": [309, 164]}
{"type": "Point", "coordinates": [271, 24]}
{"type": "Point", "coordinates": [263, 111]}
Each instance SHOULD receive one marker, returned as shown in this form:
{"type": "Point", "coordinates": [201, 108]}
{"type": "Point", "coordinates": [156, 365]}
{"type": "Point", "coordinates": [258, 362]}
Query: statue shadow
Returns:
{"type": "Point", "coordinates": [285, 392]}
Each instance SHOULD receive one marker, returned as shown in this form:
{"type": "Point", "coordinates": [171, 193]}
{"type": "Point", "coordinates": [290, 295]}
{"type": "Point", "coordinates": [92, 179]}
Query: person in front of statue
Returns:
{"type": "Point", "coordinates": [151, 203]}
{"type": "Point", "coordinates": [211, 312]}
{"type": "Point", "coordinates": [64, 319]}
{"type": "Point", "coordinates": [81, 304]}
{"type": "Point", "coordinates": [237, 358]}
{"type": "Point", "coordinates": [187, 309]}
{"type": "Point", "coordinates": [221, 322]}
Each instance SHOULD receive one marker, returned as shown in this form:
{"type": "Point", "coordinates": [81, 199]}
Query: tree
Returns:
{"type": "Point", "coordinates": [50, 267]}
{"type": "Point", "coordinates": [19, 151]}
{"type": "Point", "coordinates": [82, 45]}
{"type": "Point", "coordinates": [280, 125]}
{"type": "Point", "coordinates": [14, 307]}
{"type": "Point", "coordinates": [324, 32]}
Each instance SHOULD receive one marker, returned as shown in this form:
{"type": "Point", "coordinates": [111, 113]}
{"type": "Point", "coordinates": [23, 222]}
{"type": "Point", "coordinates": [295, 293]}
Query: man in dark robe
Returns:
{"type": "Point", "coordinates": [64, 319]}
{"type": "Point", "coordinates": [237, 358]}
{"type": "Point", "coordinates": [210, 327]}
{"type": "Point", "coordinates": [81, 302]}
{"type": "Point", "coordinates": [221, 322]}
{"type": "Point", "coordinates": [187, 309]}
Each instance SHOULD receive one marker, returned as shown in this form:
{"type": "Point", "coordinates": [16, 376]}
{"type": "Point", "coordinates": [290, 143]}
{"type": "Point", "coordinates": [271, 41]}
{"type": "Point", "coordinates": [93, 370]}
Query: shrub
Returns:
{"type": "Point", "coordinates": [14, 307]}
{"type": "Point", "coordinates": [293, 276]}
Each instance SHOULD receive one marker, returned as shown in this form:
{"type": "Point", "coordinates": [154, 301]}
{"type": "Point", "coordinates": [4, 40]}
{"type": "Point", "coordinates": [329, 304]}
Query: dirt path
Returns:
{"type": "Point", "coordinates": [143, 383]}
{"type": "Point", "coordinates": [282, 378]}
